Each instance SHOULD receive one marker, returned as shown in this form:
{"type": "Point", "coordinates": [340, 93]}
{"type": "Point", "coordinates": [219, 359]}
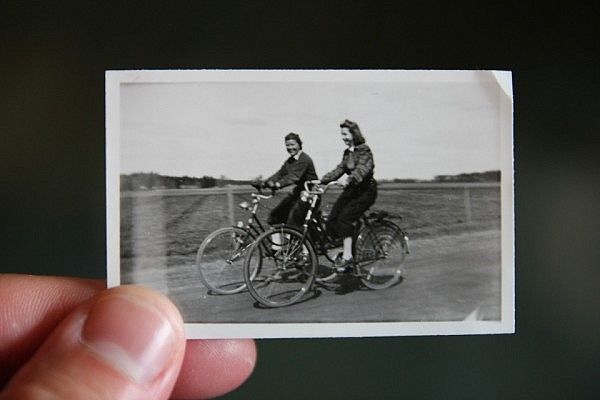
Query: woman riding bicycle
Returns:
{"type": "Point", "coordinates": [360, 189]}
{"type": "Point", "coordinates": [296, 170]}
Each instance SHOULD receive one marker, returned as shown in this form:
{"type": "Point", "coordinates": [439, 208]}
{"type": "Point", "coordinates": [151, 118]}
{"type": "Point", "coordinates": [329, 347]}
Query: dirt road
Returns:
{"type": "Point", "coordinates": [444, 279]}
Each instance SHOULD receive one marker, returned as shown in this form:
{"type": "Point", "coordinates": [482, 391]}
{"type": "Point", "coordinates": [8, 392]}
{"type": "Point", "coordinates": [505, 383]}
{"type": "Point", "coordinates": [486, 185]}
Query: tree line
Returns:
{"type": "Point", "coordinates": [151, 180]}
{"type": "Point", "coordinates": [487, 176]}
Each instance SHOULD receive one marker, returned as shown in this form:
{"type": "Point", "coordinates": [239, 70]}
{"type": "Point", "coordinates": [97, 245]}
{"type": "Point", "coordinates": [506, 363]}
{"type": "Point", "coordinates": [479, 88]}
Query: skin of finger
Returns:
{"type": "Point", "coordinates": [30, 308]}
{"type": "Point", "coordinates": [64, 367]}
{"type": "Point", "coordinates": [212, 368]}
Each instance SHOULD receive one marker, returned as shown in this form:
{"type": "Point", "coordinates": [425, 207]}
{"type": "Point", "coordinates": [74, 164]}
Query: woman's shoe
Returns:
{"type": "Point", "coordinates": [344, 266]}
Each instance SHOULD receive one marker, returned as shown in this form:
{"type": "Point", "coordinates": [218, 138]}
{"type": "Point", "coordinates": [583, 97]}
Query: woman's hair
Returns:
{"type": "Point", "coordinates": [357, 136]}
{"type": "Point", "coordinates": [294, 136]}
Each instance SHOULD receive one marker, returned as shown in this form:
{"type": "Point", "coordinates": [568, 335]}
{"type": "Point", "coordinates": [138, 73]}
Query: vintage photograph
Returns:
{"type": "Point", "coordinates": [323, 203]}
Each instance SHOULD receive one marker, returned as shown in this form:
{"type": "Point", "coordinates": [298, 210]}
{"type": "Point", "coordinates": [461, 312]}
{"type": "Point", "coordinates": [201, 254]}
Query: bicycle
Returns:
{"type": "Point", "coordinates": [220, 257]}
{"type": "Point", "coordinates": [282, 264]}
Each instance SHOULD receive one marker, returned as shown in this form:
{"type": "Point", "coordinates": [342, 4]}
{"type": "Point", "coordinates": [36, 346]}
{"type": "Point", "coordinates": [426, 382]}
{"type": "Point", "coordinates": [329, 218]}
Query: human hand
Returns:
{"type": "Point", "coordinates": [270, 185]}
{"type": "Point", "coordinates": [68, 338]}
{"type": "Point", "coordinates": [343, 181]}
{"type": "Point", "coordinates": [258, 184]}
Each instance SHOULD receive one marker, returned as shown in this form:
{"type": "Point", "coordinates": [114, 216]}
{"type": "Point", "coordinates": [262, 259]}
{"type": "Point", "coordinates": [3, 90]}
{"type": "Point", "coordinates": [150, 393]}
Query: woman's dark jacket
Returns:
{"type": "Point", "coordinates": [295, 172]}
{"type": "Point", "coordinates": [357, 164]}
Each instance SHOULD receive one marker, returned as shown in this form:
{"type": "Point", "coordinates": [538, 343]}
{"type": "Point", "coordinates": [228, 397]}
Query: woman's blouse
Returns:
{"type": "Point", "coordinates": [357, 163]}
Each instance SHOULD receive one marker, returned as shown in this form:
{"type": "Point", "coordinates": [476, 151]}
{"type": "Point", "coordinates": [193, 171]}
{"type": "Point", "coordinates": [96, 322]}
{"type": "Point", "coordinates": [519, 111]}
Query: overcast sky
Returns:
{"type": "Point", "coordinates": [236, 129]}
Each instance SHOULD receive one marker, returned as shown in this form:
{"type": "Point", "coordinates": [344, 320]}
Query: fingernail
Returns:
{"type": "Point", "coordinates": [131, 335]}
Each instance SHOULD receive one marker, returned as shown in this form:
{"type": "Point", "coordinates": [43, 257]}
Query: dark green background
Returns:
{"type": "Point", "coordinates": [53, 58]}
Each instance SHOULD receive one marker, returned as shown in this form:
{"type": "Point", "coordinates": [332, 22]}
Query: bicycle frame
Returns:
{"type": "Point", "coordinates": [253, 227]}
{"type": "Point", "coordinates": [250, 224]}
{"type": "Point", "coordinates": [313, 196]}
{"type": "Point", "coordinates": [366, 221]}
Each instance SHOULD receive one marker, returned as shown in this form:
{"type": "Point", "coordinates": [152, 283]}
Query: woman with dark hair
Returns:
{"type": "Point", "coordinates": [360, 189]}
{"type": "Point", "coordinates": [296, 170]}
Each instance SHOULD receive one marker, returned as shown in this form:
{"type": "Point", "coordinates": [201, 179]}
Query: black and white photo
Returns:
{"type": "Point", "coordinates": [287, 203]}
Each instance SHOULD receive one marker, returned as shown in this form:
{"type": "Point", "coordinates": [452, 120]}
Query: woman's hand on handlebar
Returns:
{"type": "Point", "coordinates": [258, 185]}
{"type": "Point", "coordinates": [343, 181]}
{"type": "Point", "coordinates": [271, 185]}
{"type": "Point", "coordinates": [314, 183]}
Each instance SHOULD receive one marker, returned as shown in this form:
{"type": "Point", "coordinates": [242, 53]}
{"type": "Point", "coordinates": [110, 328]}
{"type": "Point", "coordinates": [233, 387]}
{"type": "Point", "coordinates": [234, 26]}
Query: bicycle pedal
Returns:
{"type": "Point", "coordinates": [346, 269]}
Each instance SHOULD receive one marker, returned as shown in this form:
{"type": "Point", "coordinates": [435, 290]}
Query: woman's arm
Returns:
{"type": "Point", "coordinates": [277, 175]}
{"type": "Point", "coordinates": [334, 174]}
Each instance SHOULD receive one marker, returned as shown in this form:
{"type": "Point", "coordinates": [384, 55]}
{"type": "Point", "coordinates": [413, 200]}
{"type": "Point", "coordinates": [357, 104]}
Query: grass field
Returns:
{"type": "Point", "coordinates": [163, 230]}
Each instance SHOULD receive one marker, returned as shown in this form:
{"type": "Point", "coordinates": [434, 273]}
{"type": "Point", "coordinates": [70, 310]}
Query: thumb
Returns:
{"type": "Point", "coordinates": [126, 343]}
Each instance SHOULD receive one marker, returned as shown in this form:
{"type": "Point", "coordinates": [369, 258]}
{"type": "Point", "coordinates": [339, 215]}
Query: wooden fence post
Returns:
{"type": "Point", "coordinates": [230, 204]}
{"type": "Point", "coordinates": [468, 205]}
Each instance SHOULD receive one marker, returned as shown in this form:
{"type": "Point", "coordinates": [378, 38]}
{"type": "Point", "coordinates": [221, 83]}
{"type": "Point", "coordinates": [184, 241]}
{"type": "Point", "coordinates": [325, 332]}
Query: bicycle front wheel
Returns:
{"type": "Point", "coordinates": [220, 260]}
{"type": "Point", "coordinates": [380, 251]}
{"type": "Point", "coordinates": [283, 263]}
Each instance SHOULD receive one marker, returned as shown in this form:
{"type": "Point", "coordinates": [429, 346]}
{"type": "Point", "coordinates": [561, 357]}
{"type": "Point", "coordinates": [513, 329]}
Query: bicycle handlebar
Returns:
{"type": "Point", "coordinates": [318, 187]}
{"type": "Point", "coordinates": [259, 195]}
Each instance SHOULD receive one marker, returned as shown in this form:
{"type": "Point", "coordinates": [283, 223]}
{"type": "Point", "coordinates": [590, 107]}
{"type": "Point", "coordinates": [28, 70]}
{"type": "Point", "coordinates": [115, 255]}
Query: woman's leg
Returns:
{"type": "Point", "coordinates": [350, 213]}
{"type": "Point", "coordinates": [297, 213]}
{"type": "Point", "coordinates": [333, 218]}
{"type": "Point", "coordinates": [347, 254]}
{"type": "Point", "coordinates": [279, 214]}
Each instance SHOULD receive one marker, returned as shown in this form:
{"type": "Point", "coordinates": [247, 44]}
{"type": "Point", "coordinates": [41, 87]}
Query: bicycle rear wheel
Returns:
{"type": "Point", "coordinates": [284, 264]}
{"type": "Point", "coordinates": [380, 251]}
{"type": "Point", "coordinates": [220, 260]}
